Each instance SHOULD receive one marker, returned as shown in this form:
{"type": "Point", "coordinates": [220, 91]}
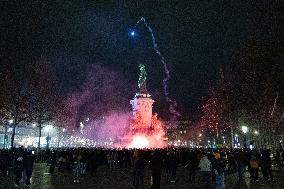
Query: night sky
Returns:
{"type": "Point", "coordinates": [197, 38]}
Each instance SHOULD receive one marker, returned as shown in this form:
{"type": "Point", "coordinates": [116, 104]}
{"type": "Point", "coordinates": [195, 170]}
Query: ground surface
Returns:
{"type": "Point", "coordinates": [122, 179]}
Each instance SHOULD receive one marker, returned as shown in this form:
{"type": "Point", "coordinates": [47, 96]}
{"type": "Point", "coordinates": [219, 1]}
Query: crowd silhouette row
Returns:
{"type": "Point", "coordinates": [213, 164]}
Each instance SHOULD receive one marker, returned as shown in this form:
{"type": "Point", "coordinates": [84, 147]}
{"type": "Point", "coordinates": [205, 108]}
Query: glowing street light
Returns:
{"type": "Point", "coordinates": [49, 127]}
{"type": "Point", "coordinates": [244, 129]}
{"type": "Point", "coordinates": [256, 132]}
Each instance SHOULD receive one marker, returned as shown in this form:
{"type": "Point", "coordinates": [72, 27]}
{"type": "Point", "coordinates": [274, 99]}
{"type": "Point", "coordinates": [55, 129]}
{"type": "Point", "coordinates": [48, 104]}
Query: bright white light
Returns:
{"type": "Point", "coordinates": [33, 124]}
{"type": "Point", "coordinates": [87, 119]}
{"type": "Point", "coordinates": [139, 142]}
{"type": "Point", "coordinates": [63, 130]}
{"type": "Point", "coordinates": [236, 135]}
{"type": "Point", "coordinates": [256, 132]}
{"type": "Point", "coordinates": [49, 127]}
{"type": "Point", "coordinates": [209, 141]}
{"type": "Point", "coordinates": [244, 129]}
{"type": "Point", "coordinates": [11, 121]}
{"type": "Point", "coordinates": [200, 135]}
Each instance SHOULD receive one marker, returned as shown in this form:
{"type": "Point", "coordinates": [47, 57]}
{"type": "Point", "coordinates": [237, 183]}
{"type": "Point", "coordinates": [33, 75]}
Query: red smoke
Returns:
{"type": "Point", "coordinates": [152, 137]}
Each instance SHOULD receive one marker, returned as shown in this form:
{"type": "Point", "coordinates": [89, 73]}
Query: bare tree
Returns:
{"type": "Point", "coordinates": [43, 98]}
{"type": "Point", "coordinates": [13, 97]}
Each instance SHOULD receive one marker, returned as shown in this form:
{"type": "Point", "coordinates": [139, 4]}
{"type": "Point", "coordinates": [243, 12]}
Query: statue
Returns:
{"type": "Point", "coordinates": [142, 79]}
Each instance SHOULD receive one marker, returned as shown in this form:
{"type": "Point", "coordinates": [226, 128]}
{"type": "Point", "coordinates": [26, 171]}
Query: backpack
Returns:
{"type": "Point", "coordinates": [253, 164]}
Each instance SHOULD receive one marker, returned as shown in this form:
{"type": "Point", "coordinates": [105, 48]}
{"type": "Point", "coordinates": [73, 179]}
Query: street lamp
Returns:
{"type": "Point", "coordinates": [11, 121]}
{"type": "Point", "coordinates": [256, 138]}
{"type": "Point", "coordinates": [48, 128]}
{"type": "Point", "coordinates": [245, 130]}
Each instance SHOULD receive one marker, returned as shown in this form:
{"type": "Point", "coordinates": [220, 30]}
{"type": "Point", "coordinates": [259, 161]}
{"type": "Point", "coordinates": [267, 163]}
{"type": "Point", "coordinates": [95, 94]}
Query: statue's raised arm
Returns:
{"type": "Point", "coordinates": [142, 78]}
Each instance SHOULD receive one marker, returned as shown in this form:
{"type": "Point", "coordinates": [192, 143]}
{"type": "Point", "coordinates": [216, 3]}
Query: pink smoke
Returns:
{"type": "Point", "coordinates": [147, 138]}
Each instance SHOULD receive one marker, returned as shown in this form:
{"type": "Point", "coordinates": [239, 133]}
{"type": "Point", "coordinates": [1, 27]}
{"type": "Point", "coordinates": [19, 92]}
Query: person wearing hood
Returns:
{"type": "Point", "coordinates": [156, 169]}
{"type": "Point", "coordinates": [18, 167]}
{"type": "Point", "coordinates": [28, 167]}
{"type": "Point", "coordinates": [219, 169]}
{"type": "Point", "coordinates": [205, 168]}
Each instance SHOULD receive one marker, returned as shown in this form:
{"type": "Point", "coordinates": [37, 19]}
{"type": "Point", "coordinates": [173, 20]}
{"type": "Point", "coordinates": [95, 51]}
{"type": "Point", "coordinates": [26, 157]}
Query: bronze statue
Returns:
{"type": "Point", "coordinates": [142, 78]}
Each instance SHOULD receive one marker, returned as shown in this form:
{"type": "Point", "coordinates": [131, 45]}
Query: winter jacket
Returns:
{"type": "Point", "coordinates": [205, 164]}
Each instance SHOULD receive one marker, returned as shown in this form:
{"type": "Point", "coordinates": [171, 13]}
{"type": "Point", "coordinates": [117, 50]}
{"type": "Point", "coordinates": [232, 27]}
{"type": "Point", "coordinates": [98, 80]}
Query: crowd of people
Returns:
{"type": "Point", "coordinates": [213, 164]}
{"type": "Point", "coordinates": [19, 163]}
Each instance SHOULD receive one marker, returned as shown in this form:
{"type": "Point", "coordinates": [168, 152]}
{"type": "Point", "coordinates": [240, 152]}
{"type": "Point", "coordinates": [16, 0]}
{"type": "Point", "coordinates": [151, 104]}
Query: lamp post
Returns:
{"type": "Point", "coordinates": [256, 142]}
{"type": "Point", "coordinates": [47, 141]}
{"type": "Point", "coordinates": [11, 121]}
{"type": "Point", "coordinates": [48, 138]}
{"type": "Point", "coordinates": [245, 130]}
{"type": "Point", "coordinates": [5, 137]}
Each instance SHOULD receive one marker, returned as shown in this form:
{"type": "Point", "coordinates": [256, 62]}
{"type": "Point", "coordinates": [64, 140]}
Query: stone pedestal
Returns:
{"type": "Point", "coordinates": [142, 109]}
